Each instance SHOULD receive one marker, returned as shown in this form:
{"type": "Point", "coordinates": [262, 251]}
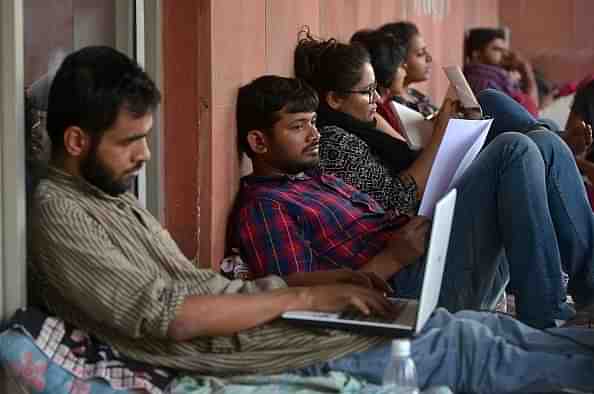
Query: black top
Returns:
{"type": "Point", "coordinates": [368, 159]}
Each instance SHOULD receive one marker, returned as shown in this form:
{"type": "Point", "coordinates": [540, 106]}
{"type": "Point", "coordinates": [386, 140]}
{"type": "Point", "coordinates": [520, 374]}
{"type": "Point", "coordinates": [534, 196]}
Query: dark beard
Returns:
{"type": "Point", "coordinates": [296, 168]}
{"type": "Point", "coordinates": [97, 175]}
{"type": "Point", "coordinates": [305, 167]}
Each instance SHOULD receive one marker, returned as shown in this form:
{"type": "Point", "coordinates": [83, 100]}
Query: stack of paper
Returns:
{"type": "Point", "coordinates": [461, 143]}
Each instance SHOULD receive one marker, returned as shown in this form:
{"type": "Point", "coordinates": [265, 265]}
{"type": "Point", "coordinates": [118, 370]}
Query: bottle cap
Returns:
{"type": "Point", "coordinates": [401, 347]}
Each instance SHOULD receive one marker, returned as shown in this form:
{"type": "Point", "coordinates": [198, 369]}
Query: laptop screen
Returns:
{"type": "Point", "coordinates": [436, 256]}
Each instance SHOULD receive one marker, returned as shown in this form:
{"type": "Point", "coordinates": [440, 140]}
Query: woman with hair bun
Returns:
{"type": "Point", "coordinates": [417, 64]}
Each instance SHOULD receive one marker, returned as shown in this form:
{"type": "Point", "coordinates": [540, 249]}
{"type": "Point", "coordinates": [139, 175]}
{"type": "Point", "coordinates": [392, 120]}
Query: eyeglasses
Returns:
{"type": "Point", "coordinates": [370, 91]}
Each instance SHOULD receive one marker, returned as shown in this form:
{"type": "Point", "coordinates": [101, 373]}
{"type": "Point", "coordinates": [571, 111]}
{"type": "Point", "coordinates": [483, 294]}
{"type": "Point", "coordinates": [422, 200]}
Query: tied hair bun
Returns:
{"type": "Point", "coordinates": [310, 55]}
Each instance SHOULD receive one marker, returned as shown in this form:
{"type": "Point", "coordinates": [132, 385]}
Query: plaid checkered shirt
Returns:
{"type": "Point", "coordinates": [308, 222]}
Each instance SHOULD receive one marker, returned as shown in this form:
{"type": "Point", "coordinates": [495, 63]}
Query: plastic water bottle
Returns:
{"type": "Point", "coordinates": [401, 372]}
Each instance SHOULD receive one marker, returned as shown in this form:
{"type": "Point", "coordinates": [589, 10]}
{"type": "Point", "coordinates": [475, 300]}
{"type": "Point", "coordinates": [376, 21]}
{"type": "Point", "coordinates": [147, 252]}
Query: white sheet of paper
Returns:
{"type": "Point", "coordinates": [461, 87]}
{"type": "Point", "coordinates": [418, 130]}
{"type": "Point", "coordinates": [460, 145]}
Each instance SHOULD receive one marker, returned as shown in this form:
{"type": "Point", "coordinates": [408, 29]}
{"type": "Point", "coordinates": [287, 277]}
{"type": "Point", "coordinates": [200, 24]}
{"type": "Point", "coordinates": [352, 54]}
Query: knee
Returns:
{"type": "Point", "coordinates": [549, 143]}
{"type": "Point", "coordinates": [494, 100]}
{"type": "Point", "coordinates": [490, 94]}
{"type": "Point", "coordinates": [549, 124]}
{"type": "Point", "coordinates": [488, 99]}
{"type": "Point", "coordinates": [509, 146]}
{"type": "Point", "coordinates": [514, 140]}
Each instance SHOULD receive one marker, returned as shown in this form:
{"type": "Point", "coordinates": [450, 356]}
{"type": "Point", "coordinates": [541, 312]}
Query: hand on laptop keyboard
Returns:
{"type": "Point", "coordinates": [336, 298]}
{"type": "Point", "coordinates": [353, 314]}
{"type": "Point", "coordinates": [366, 279]}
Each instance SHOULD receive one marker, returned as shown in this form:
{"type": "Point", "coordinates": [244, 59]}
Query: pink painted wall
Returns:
{"type": "Point", "coordinates": [250, 38]}
{"type": "Point", "coordinates": [556, 35]}
{"type": "Point", "coordinates": [181, 115]}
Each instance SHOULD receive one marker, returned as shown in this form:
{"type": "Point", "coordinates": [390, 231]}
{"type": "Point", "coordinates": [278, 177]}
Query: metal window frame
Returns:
{"type": "Point", "coordinates": [152, 62]}
{"type": "Point", "coordinates": [12, 161]}
{"type": "Point", "coordinates": [143, 43]}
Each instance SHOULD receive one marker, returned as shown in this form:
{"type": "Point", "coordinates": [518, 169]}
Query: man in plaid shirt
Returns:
{"type": "Point", "coordinates": [291, 219]}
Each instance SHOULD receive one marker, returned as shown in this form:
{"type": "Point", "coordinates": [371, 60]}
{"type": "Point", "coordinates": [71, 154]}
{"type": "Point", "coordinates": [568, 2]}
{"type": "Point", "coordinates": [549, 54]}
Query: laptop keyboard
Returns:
{"type": "Point", "coordinates": [358, 316]}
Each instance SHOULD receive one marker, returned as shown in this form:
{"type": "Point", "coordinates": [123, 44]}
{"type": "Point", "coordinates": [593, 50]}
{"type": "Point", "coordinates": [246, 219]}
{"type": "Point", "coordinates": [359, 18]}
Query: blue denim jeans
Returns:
{"type": "Point", "coordinates": [484, 353]}
{"type": "Point", "coordinates": [522, 215]}
{"type": "Point", "coordinates": [523, 196]}
{"type": "Point", "coordinates": [507, 113]}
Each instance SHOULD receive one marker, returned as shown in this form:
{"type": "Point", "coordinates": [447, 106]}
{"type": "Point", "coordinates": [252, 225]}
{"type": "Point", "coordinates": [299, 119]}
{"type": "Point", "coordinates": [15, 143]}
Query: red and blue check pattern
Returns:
{"type": "Point", "coordinates": [308, 222]}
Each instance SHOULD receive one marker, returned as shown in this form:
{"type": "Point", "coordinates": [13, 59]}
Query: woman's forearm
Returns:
{"type": "Point", "coordinates": [421, 167]}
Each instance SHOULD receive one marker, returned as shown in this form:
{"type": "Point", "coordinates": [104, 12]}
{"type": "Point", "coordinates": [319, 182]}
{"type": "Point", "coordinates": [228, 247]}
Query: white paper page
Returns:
{"type": "Point", "coordinates": [418, 130]}
{"type": "Point", "coordinates": [460, 84]}
{"type": "Point", "coordinates": [457, 148]}
{"type": "Point", "coordinates": [472, 152]}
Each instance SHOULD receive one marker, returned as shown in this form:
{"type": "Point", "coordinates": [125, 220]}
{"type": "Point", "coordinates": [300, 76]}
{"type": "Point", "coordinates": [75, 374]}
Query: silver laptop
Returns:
{"type": "Point", "coordinates": [413, 314]}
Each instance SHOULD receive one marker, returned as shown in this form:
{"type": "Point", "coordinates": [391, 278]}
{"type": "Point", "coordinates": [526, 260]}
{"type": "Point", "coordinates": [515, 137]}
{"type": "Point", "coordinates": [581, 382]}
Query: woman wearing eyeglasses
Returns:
{"type": "Point", "coordinates": [345, 80]}
{"type": "Point", "coordinates": [509, 199]}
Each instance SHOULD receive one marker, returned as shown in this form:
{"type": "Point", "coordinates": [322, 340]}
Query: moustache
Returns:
{"type": "Point", "coordinates": [135, 169]}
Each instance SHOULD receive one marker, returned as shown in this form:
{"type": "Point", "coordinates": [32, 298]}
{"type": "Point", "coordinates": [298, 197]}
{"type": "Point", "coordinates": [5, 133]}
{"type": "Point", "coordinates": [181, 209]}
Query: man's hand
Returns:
{"type": "Point", "coordinates": [337, 298]}
{"type": "Point", "coordinates": [409, 242]}
{"type": "Point", "coordinates": [579, 138]}
{"type": "Point", "coordinates": [515, 61]}
{"type": "Point", "coordinates": [406, 245]}
{"type": "Point", "coordinates": [366, 279]}
{"type": "Point", "coordinates": [360, 278]}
